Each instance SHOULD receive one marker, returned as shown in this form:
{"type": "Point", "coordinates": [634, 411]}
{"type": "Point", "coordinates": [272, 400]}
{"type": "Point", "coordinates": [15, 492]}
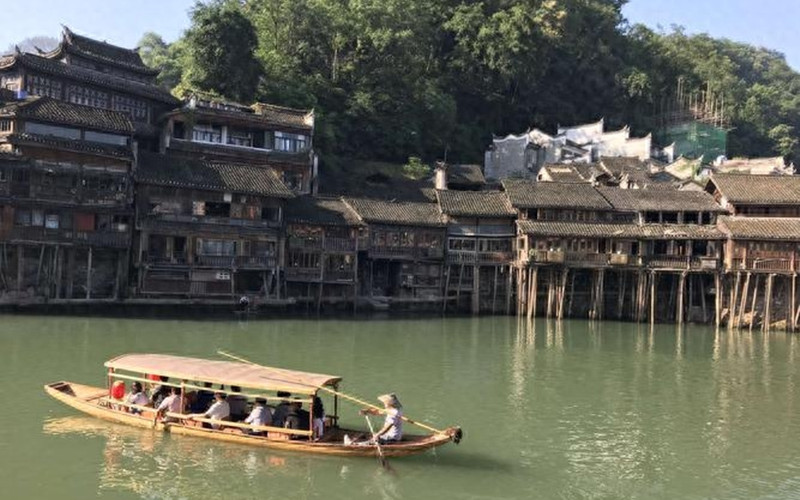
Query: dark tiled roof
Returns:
{"type": "Point", "coordinates": [619, 165]}
{"type": "Point", "coordinates": [48, 110]}
{"type": "Point", "coordinates": [530, 194]}
{"type": "Point", "coordinates": [79, 146]}
{"type": "Point", "coordinates": [403, 213]}
{"type": "Point", "coordinates": [644, 200]}
{"type": "Point", "coordinates": [627, 231]}
{"type": "Point", "coordinates": [322, 211]}
{"type": "Point", "coordinates": [475, 203]}
{"type": "Point", "coordinates": [465, 175]}
{"type": "Point", "coordinates": [762, 228]}
{"type": "Point", "coordinates": [57, 68]}
{"type": "Point", "coordinates": [291, 117]}
{"type": "Point", "coordinates": [105, 52]}
{"type": "Point", "coordinates": [565, 173]}
{"type": "Point", "coordinates": [271, 117]}
{"type": "Point", "coordinates": [174, 171]}
{"type": "Point", "coordinates": [758, 189]}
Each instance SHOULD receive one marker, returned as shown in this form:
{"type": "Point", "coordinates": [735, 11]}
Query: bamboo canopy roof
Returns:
{"type": "Point", "coordinates": [223, 372]}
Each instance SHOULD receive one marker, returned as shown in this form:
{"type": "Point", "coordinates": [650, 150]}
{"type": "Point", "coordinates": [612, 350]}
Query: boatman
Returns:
{"type": "Point", "coordinates": [392, 429]}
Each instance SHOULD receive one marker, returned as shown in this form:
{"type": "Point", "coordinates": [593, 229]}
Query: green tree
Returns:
{"type": "Point", "coordinates": [167, 58]}
{"type": "Point", "coordinates": [219, 46]}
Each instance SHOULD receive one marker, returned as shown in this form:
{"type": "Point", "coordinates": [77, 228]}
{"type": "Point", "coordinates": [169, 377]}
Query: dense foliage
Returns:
{"type": "Point", "coordinates": [391, 79]}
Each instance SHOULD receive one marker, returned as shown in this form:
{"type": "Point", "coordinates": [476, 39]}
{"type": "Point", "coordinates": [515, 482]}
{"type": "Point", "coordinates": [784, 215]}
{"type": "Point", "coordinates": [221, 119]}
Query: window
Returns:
{"type": "Point", "coordinates": [216, 247]}
{"type": "Point", "coordinates": [43, 86]}
{"type": "Point", "coordinates": [292, 180]}
{"type": "Point", "coordinates": [42, 129]}
{"type": "Point", "coordinates": [292, 143]}
{"type": "Point", "coordinates": [5, 125]}
{"type": "Point", "coordinates": [117, 140]}
{"type": "Point", "coordinates": [302, 259]}
{"type": "Point", "coordinates": [240, 138]}
{"type": "Point", "coordinates": [87, 97]}
{"type": "Point", "coordinates": [207, 133]}
{"type": "Point", "coordinates": [22, 217]}
{"type": "Point", "coordinates": [134, 107]}
{"type": "Point", "coordinates": [270, 213]}
{"type": "Point", "coordinates": [51, 221]}
{"type": "Point", "coordinates": [214, 209]}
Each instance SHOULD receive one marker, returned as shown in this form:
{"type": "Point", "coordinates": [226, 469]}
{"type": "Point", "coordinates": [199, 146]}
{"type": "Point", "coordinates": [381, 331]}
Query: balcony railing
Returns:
{"type": "Point", "coordinates": [221, 221]}
{"type": "Point", "coordinates": [296, 243]}
{"type": "Point", "coordinates": [777, 264]}
{"type": "Point", "coordinates": [704, 263]}
{"type": "Point", "coordinates": [478, 258]}
{"type": "Point", "coordinates": [215, 260]}
{"type": "Point", "coordinates": [588, 259]}
{"type": "Point", "coordinates": [339, 275]}
{"type": "Point", "coordinates": [255, 261]}
{"type": "Point", "coordinates": [389, 252]}
{"type": "Point", "coordinates": [313, 274]}
{"type": "Point", "coordinates": [551, 256]}
{"type": "Point", "coordinates": [667, 261]}
{"type": "Point", "coordinates": [340, 244]}
{"type": "Point", "coordinates": [111, 239]}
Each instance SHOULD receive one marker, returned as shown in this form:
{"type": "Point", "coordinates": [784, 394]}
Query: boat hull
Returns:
{"type": "Point", "coordinates": [89, 400]}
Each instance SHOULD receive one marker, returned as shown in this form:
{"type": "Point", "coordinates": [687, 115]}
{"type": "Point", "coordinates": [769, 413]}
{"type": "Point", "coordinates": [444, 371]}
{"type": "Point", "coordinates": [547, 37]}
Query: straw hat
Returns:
{"type": "Point", "coordinates": [389, 400]}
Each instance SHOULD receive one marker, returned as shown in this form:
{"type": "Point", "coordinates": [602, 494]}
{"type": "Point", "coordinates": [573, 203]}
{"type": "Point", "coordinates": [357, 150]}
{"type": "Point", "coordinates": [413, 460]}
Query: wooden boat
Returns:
{"type": "Point", "coordinates": [257, 381]}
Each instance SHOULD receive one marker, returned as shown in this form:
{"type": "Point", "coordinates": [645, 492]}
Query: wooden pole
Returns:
{"type": "Point", "coordinates": [59, 270]}
{"type": "Point", "coordinates": [621, 293]}
{"type": "Point", "coordinates": [681, 293]}
{"type": "Point", "coordinates": [734, 298]}
{"type": "Point", "coordinates": [494, 290]}
{"type": "Point", "coordinates": [717, 299]}
{"type": "Point", "coordinates": [458, 290]}
{"type": "Point", "coordinates": [601, 293]}
{"type": "Point", "coordinates": [768, 304]}
{"type": "Point", "coordinates": [743, 302]}
{"type": "Point", "coordinates": [509, 288]}
{"type": "Point", "coordinates": [476, 290]}
{"type": "Point", "coordinates": [562, 292]}
{"type": "Point", "coordinates": [533, 284]}
{"type": "Point", "coordinates": [71, 272]}
{"type": "Point", "coordinates": [20, 266]}
{"type": "Point", "coordinates": [446, 289]}
{"type": "Point", "coordinates": [571, 297]}
{"type": "Point", "coordinates": [793, 303]}
{"type": "Point", "coordinates": [754, 303]}
{"type": "Point", "coordinates": [319, 298]}
{"type": "Point", "coordinates": [652, 297]}
{"type": "Point", "coordinates": [89, 275]}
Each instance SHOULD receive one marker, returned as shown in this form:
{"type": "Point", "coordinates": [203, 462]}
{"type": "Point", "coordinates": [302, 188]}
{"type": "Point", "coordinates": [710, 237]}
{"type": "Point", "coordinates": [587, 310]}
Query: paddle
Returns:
{"type": "Point", "coordinates": [381, 457]}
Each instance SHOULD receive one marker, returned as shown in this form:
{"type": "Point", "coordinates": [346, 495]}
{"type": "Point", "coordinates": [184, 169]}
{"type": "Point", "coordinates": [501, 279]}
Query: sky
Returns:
{"type": "Point", "coordinates": [767, 23]}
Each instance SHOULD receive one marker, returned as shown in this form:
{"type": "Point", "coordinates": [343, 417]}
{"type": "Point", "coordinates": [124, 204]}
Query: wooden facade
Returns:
{"type": "Point", "coordinates": [208, 229]}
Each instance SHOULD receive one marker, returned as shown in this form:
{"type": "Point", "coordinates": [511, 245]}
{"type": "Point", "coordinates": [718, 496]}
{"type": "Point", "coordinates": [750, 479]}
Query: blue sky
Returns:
{"type": "Point", "coordinates": [768, 23]}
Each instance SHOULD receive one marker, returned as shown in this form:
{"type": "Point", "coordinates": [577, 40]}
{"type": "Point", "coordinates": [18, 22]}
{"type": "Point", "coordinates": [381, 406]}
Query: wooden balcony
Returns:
{"type": "Point", "coordinates": [235, 262]}
{"type": "Point", "coordinates": [103, 239]}
{"type": "Point", "coordinates": [457, 257]}
{"type": "Point", "coordinates": [586, 259]}
{"type": "Point", "coordinates": [339, 276]}
{"type": "Point", "coordinates": [339, 244]}
{"type": "Point", "coordinates": [548, 256]}
{"type": "Point", "coordinates": [704, 263]}
{"type": "Point", "coordinates": [217, 221]}
{"type": "Point", "coordinates": [667, 261]}
{"type": "Point", "coordinates": [304, 274]}
{"type": "Point", "coordinates": [764, 264]}
{"type": "Point", "coordinates": [296, 243]}
{"type": "Point", "coordinates": [406, 253]}
{"type": "Point", "coordinates": [39, 234]}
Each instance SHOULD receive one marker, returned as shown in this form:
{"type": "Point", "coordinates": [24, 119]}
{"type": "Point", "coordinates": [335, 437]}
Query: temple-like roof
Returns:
{"type": "Point", "coordinates": [321, 211]}
{"type": "Point", "coordinates": [475, 203]}
{"type": "Point", "coordinates": [757, 189]}
{"type": "Point", "coordinates": [57, 68]}
{"type": "Point", "coordinates": [99, 51]}
{"type": "Point", "coordinates": [649, 200]}
{"type": "Point", "coordinates": [167, 170]}
{"type": "Point", "coordinates": [48, 110]}
{"type": "Point", "coordinates": [622, 231]}
{"type": "Point", "coordinates": [530, 194]}
{"type": "Point", "coordinates": [403, 213]}
{"type": "Point", "coordinates": [761, 228]}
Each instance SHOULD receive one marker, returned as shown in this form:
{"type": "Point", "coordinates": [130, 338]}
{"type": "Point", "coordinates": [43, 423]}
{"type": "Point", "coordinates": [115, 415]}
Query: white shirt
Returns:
{"type": "Point", "coordinates": [219, 410]}
{"type": "Point", "coordinates": [138, 398]}
{"type": "Point", "coordinates": [259, 416]}
{"type": "Point", "coordinates": [393, 418]}
{"type": "Point", "coordinates": [171, 403]}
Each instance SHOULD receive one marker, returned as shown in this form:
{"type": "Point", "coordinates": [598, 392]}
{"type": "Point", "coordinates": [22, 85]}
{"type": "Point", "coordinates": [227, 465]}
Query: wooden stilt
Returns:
{"type": "Point", "coordinates": [754, 304]}
{"type": "Point", "coordinates": [734, 298]}
{"type": "Point", "coordinates": [571, 298]}
{"type": "Point", "coordinates": [621, 293]}
{"type": "Point", "coordinates": [71, 273]}
{"type": "Point", "coordinates": [562, 293]}
{"type": "Point", "coordinates": [446, 289]}
{"type": "Point", "coordinates": [793, 303]}
{"type": "Point", "coordinates": [768, 304]}
{"type": "Point", "coordinates": [319, 298]}
{"type": "Point", "coordinates": [652, 297]}
{"type": "Point", "coordinates": [476, 290]}
{"type": "Point", "coordinates": [89, 275]}
{"type": "Point", "coordinates": [509, 288]}
{"type": "Point", "coordinates": [549, 309]}
{"type": "Point", "coordinates": [494, 290]}
{"type": "Point", "coordinates": [717, 299]}
{"type": "Point", "coordinates": [743, 302]}
{"type": "Point", "coordinates": [681, 293]}
{"type": "Point", "coordinates": [601, 303]}
{"type": "Point", "coordinates": [458, 289]}
{"type": "Point", "coordinates": [702, 292]}
{"type": "Point", "coordinates": [532, 292]}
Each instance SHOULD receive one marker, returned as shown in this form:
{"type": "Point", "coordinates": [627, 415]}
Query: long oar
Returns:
{"type": "Point", "coordinates": [381, 457]}
{"type": "Point", "coordinates": [341, 395]}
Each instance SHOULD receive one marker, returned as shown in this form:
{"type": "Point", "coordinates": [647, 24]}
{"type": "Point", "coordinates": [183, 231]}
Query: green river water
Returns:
{"type": "Point", "coordinates": [560, 411]}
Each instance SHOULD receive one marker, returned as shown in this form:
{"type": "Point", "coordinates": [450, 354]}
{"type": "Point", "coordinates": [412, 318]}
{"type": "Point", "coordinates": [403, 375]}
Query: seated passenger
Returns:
{"type": "Point", "coordinates": [260, 416]}
{"type": "Point", "coordinates": [170, 404]}
{"type": "Point", "coordinates": [203, 400]}
{"type": "Point", "coordinates": [297, 418]}
{"type": "Point", "coordinates": [279, 415]}
{"type": "Point", "coordinates": [220, 410]}
{"type": "Point", "coordinates": [137, 397]}
{"type": "Point", "coordinates": [238, 404]}
{"type": "Point", "coordinates": [160, 392]}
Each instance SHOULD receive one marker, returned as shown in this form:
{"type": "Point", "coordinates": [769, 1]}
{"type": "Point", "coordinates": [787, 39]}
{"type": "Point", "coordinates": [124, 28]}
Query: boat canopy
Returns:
{"type": "Point", "coordinates": [223, 372]}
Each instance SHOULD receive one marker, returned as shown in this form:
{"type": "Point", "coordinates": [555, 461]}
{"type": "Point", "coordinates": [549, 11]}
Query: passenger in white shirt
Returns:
{"type": "Point", "coordinates": [171, 404]}
{"type": "Point", "coordinates": [259, 416]}
{"type": "Point", "coordinates": [220, 410]}
{"type": "Point", "coordinates": [137, 397]}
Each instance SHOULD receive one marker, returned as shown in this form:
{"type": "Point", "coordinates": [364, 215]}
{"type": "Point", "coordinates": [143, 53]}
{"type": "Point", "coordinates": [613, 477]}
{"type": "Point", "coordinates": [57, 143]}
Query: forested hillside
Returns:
{"type": "Point", "coordinates": [391, 79]}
